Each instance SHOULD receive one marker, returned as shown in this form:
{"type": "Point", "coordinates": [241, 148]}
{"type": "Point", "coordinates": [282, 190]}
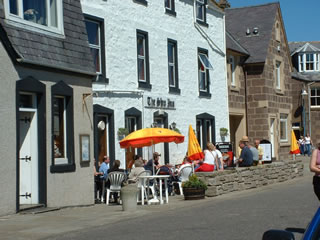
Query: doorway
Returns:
{"type": "Point", "coordinates": [28, 156]}
{"type": "Point", "coordinates": [272, 140]}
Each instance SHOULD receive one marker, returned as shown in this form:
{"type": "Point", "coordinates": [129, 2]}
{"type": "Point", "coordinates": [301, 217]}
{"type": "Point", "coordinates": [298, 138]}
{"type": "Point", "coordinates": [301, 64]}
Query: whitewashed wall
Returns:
{"type": "Point", "coordinates": [122, 19]}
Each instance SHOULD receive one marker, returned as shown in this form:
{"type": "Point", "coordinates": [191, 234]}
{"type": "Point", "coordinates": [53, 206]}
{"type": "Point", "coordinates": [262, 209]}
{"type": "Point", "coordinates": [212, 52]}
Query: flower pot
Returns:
{"type": "Point", "coordinates": [193, 193]}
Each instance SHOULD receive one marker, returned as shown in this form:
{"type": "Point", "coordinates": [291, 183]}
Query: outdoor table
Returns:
{"type": "Point", "coordinates": [155, 177]}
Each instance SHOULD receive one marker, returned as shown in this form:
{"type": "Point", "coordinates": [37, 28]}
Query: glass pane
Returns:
{"type": "Point", "coordinates": [93, 32]}
{"type": "Point", "coordinates": [168, 4]}
{"type": "Point", "coordinates": [13, 7]}
{"type": "Point", "coordinates": [140, 45]}
{"type": "Point", "coordinates": [53, 13]}
{"type": "Point", "coordinates": [171, 76]}
{"type": "Point", "coordinates": [200, 11]}
{"type": "Point", "coordinates": [205, 61]}
{"type": "Point", "coordinates": [199, 132]}
{"type": "Point", "coordinates": [202, 81]}
{"type": "Point", "coordinates": [141, 69]}
{"type": "Point", "coordinates": [58, 127]}
{"type": "Point", "coordinates": [26, 101]}
{"type": "Point", "coordinates": [35, 11]}
{"type": "Point", "coordinates": [96, 58]}
{"type": "Point", "coordinates": [283, 130]}
{"type": "Point", "coordinates": [208, 131]}
{"type": "Point", "coordinates": [313, 101]}
{"type": "Point", "coordinates": [171, 52]}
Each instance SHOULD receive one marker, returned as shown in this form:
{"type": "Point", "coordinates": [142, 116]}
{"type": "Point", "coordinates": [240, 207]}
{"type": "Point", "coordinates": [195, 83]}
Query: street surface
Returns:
{"type": "Point", "coordinates": [244, 216]}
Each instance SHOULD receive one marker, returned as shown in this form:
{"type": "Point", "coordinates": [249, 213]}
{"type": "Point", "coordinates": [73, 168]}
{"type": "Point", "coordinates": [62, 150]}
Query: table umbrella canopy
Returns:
{"type": "Point", "coordinates": [149, 136]}
{"type": "Point", "coordinates": [294, 144]}
{"type": "Point", "coordinates": [194, 149]}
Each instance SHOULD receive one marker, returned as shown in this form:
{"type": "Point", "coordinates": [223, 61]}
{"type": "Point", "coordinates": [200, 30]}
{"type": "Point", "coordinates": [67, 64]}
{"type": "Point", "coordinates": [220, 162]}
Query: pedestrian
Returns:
{"type": "Point", "coordinates": [260, 149]}
{"type": "Point", "coordinates": [315, 167]}
{"type": "Point", "coordinates": [308, 144]}
{"type": "Point", "coordinates": [246, 157]}
{"type": "Point", "coordinates": [255, 154]}
{"type": "Point", "coordinates": [301, 143]}
{"type": "Point", "coordinates": [105, 166]}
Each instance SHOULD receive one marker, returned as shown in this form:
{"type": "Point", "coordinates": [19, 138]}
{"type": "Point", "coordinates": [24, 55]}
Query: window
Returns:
{"type": "Point", "coordinates": [170, 7]}
{"type": "Point", "coordinates": [45, 14]}
{"type": "Point", "coordinates": [283, 128]}
{"type": "Point", "coordinates": [231, 71]}
{"type": "Point", "coordinates": [277, 31]}
{"type": "Point", "coordinates": [315, 97]}
{"type": "Point", "coordinates": [278, 75]}
{"type": "Point", "coordinates": [143, 2]}
{"type": "Point", "coordinates": [203, 72]}
{"type": "Point", "coordinates": [205, 129]}
{"type": "Point", "coordinates": [62, 128]}
{"type": "Point", "coordinates": [173, 66]}
{"type": "Point", "coordinates": [143, 59]}
{"type": "Point", "coordinates": [200, 12]}
{"type": "Point", "coordinates": [95, 31]}
{"type": "Point", "coordinates": [308, 62]}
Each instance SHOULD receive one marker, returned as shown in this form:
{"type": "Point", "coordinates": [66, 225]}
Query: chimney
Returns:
{"type": "Point", "coordinates": [224, 4]}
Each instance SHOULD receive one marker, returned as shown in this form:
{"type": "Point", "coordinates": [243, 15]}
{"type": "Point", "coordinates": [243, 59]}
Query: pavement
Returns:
{"type": "Point", "coordinates": [41, 225]}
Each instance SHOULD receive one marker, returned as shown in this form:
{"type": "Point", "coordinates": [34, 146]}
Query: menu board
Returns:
{"type": "Point", "coordinates": [267, 151]}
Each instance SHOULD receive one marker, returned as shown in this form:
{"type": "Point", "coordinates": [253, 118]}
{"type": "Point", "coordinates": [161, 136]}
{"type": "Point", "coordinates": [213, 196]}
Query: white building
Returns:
{"type": "Point", "coordinates": [160, 61]}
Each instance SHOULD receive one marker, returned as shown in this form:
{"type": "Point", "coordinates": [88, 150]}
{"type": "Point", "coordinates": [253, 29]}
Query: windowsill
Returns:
{"type": "Point", "coordinates": [143, 2]}
{"type": "Point", "coordinates": [234, 89]}
{"type": "Point", "coordinates": [62, 168]}
{"type": "Point", "coordinates": [101, 79]}
{"type": "Point", "coordinates": [171, 12]}
{"type": "Point", "coordinates": [145, 85]}
{"type": "Point", "coordinates": [314, 107]}
{"type": "Point", "coordinates": [279, 92]}
{"type": "Point", "coordinates": [174, 90]}
{"type": "Point", "coordinates": [284, 144]}
{"type": "Point", "coordinates": [202, 23]}
{"type": "Point", "coordinates": [204, 94]}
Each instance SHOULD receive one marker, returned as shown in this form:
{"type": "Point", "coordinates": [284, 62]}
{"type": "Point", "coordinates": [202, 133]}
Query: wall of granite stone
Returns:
{"type": "Point", "coordinates": [239, 179]}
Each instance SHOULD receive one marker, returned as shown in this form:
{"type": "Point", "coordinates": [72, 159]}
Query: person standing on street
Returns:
{"type": "Point", "coordinates": [308, 144]}
{"type": "Point", "coordinates": [301, 145]}
{"type": "Point", "coordinates": [315, 167]}
{"type": "Point", "coordinates": [105, 166]}
{"type": "Point", "coordinates": [260, 150]}
{"type": "Point", "coordinates": [246, 157]}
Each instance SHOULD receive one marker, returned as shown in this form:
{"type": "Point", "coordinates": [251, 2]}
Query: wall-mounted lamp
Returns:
{"type": "Point", "coordinates": [173, 126]}
{"type": "Point", "coordinates": [304, 92]}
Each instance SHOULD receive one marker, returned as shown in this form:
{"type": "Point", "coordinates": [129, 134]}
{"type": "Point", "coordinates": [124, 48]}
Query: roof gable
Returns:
{"type": "Point", "coordinates": [303, 47]}
{"type": "Point", "coordinates": [240, 22]}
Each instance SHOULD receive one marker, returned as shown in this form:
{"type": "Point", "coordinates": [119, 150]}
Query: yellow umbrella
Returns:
{"type": "Point", "coordinates": [150, 136]}
{"type": "Point", "coordinates": [294, 144]}
{"type": "Point", "coordinates": [194, 150]}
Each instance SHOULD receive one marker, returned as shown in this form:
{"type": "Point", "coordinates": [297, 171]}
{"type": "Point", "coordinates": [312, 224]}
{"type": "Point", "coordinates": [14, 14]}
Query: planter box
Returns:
{"type": "Point", "coordinates": [193, 193]}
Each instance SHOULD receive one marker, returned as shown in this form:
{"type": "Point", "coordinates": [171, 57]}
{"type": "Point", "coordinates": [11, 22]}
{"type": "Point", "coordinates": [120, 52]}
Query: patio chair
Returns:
{"type": "Point", "coordinates": [143, 186]}
{"type": "Point", "coordinates": [116, 179]}
{"type": "Point", "coordinates": [183, 176]}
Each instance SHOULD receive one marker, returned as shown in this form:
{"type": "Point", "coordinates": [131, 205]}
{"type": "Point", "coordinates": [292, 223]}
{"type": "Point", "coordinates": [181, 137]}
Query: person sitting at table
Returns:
{"type": "Point", "coordinates": [114, 168]}
{"type": "Point", "coordinates": [210, 158]}
{"type": "Point", "coordinates": [155, 162]}
{"type": "Point", "coordinates": [186, 162]}
{"type": "Point", "coordinates": [132, 162]}
{"type": "Point", "coordinates": [138, 168]}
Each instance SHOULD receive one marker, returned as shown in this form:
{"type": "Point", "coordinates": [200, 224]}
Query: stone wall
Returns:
{"type": "Point", "coordinates": [240, 179]}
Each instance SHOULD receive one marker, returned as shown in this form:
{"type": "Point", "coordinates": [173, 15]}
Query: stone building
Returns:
{"type": "Point", "coordinates": [259, 81]}
{"type": "Point", "coordinates": [306, 88]}
{"type": "Point", "coordinates": [46, 74]}
{"type": "Point", "coordinates": [160, 63]}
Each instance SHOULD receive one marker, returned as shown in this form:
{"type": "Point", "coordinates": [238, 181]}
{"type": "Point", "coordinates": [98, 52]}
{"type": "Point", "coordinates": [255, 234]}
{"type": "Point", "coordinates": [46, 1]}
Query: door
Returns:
{"type": "Point", "coordinates": [102, 137]}
{"type": "Point", "coordinates": [272, 136]}
{"type": "Point", "coordinates": [28, 156]}
{"type": "Point", "coordinates": [131, 125]}
{"type": "Point", "coordinates": [160, 146]}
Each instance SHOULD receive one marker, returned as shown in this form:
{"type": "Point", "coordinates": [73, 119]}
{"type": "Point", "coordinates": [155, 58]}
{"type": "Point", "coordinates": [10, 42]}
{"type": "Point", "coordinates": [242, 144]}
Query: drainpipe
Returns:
{"type": "Point", "coordinates": [309, 102]}
{"type": "Point", "coordinates": [246, 99]}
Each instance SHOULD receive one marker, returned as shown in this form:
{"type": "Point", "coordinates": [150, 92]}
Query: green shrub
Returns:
{"type": "Point", "coordinates": [195, 182]}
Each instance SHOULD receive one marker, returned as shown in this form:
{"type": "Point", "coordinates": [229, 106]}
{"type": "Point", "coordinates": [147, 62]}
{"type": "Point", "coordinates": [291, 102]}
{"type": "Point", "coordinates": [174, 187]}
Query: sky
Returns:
{"type": "Point", "coordinates": [301, 17]}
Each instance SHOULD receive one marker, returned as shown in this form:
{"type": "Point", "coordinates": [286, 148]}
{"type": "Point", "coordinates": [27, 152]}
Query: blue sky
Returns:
{"type": "Point", "coordinates": [301, 17]}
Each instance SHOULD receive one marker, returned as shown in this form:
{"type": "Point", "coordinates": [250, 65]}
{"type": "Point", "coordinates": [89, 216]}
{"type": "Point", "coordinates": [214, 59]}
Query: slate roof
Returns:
{"type": "Point", "coordinates": [238, 20]}
{"type": "Point", "coordinates": [313, 46]}
{"type": "Point", "coordinates": [232, 44]}
{"type": "Point", "coordinates": [309, 77]}
{"type": "Point", "coordinates": [70, 52]}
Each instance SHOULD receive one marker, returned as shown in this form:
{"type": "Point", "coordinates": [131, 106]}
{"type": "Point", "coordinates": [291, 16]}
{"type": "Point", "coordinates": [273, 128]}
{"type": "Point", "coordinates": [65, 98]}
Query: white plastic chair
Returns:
{"type": "Point", "coordinates": [183, 176]}
{"type": "Point", "coordinates": [143, 186]}
{"type": "Point", "coordinates": [116, 179]}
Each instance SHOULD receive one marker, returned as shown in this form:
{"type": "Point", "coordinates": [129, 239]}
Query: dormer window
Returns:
{"type": "Point", "coordinates": [40, 13]}
{"type": "Point", "coordinates": [308, 62]}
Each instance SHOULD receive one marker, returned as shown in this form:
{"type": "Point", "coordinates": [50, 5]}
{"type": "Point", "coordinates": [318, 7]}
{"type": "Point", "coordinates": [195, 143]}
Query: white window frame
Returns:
{"type": "Point", "coordinates": [140, 57]}
{"type": "Point", "coordinates": [63, 160]}
{"type": "Point", "coordinates": [205, 69]}
{"type": "Point", "coordinates": [172, 64]}
{"type": "Point", "coordinates": [302, 61]}
{"type": "Point", "coordinates": [233, 67]}
{"type": "Point", "coordinates": [94, 46]}
{"type": "Point", "coordinates": [278, 75]}
{"type": "Point", "coordinates": [170, 5]}
{"type": "Point", "coordinates": [202, 4]}
{"type": "Point", "coordinates": [20, 22]}
{"type": "Point", "coordinates": [128, 122]}
{"type": "Point", "coordinates": [315, 96]}
{"type": "Point", "coordinates": [284, 120]}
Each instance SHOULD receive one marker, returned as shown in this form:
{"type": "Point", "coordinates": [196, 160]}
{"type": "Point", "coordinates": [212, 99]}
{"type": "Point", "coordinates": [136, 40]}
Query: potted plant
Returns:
{"type": "Point", "coordinates": [122, 132]}
{"type": "Point", "coordinates": [194, 188]}
{"type": "Point", "coordinates": [223, 131]}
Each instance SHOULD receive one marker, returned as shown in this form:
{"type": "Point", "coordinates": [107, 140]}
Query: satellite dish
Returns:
{"type": "Point", "coordinates": [101, 125]}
